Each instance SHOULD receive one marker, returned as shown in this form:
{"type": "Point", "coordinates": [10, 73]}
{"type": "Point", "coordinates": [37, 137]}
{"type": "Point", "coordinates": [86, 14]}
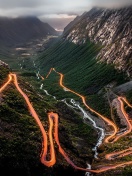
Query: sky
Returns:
{"type": "Point", "coordinates": [58, 13]}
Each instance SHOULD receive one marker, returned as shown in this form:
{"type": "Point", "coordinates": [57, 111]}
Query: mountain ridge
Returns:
{"type": "Point", "coordinates": [110, 28]}
{"type": "Point", "coordinates": [22, 29]}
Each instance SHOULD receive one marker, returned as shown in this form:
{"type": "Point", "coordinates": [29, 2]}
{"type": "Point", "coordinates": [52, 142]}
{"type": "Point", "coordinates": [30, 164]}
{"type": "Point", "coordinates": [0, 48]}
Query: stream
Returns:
{"type": "Point", "coordinates": [86, 115]}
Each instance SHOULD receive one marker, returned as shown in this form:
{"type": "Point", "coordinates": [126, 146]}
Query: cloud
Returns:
{"type": "Point", "coordinates": [6, 4]}
{"type": "Point", "coordinates": [54, 9]}
{"type": "Point", "coordinates": [112, 3]}
{"type": "Point", "coordinates": [33, 7]}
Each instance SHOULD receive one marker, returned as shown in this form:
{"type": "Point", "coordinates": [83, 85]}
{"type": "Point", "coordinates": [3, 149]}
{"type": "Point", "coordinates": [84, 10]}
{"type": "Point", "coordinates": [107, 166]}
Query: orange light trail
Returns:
{"type": "Point", "coordinates": [126, 118]}
{"type": "Point", "coordinates": [52, 161]}
{"type": "Point", "coordinates": [5, 85]}
{"type": "Point", "coordinates": [41, 77]}
{"type": "Point", "coordinates": [125, 100]}
{"type": "Point", "coordinates": [53, 119]}
{"type": "Point", "coordinates": [92, 110]}
{"type": "Point", "coordinates": [114, 154]}
{"type": "Point", "coordinates": [49, 72]}
{"type": "Point", "coordinates": [119, 154]}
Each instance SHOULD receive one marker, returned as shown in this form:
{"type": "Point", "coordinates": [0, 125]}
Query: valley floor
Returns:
{"type": "Point", "coordinates": [78, 135]}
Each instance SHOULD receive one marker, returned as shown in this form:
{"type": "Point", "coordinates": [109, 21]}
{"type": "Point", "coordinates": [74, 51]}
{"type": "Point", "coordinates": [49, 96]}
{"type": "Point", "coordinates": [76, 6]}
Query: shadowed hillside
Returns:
{"type": "Point", "coordinates": [19, 30]}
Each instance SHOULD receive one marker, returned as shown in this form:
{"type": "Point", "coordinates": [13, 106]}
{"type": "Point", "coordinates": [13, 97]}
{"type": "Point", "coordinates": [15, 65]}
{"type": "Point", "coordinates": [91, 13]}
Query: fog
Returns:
{"type": "Point", "coordinates": [57, 13]}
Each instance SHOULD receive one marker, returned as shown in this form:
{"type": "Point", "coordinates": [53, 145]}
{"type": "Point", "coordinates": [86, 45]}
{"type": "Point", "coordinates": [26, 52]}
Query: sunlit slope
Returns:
{"type": "Point", "coordinates": [79, 64]}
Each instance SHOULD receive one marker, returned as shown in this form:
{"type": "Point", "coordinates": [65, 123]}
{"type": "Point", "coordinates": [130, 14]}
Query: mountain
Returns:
{"type": "Point", "coordinates": [71, 80]}
{"type": "Point", "coordinates": [72, 23]}
{"type": "Point", "coordinates": [20, 30]}
{"type": "Point", "coordinates": [109, 28]}
{"type": "Point", "coordinates": [94, 52]}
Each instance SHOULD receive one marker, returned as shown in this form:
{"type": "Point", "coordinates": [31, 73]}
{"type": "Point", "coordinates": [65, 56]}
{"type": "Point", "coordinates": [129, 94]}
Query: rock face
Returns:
{"type": "Point", "coordinates": [110, 28]}
{"type": "Point", "coordinates": [72, 23]}
{"type": "Point", "coordinates": [3, 64]}
{"type": "Point", "coordinates": [19, 30]}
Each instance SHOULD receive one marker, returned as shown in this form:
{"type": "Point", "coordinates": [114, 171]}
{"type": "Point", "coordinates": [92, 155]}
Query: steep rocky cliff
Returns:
{"type": "Point", "coordinates": [110, 28]}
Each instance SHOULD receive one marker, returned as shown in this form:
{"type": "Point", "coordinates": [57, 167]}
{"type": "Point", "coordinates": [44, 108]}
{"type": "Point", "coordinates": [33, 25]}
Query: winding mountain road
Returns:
{"type": "Point", "coordinates": [113, 137]}
{"type": "Point", "coordinates": [53, 123]}
{"type": "Point", "coordinates": [109, 122]}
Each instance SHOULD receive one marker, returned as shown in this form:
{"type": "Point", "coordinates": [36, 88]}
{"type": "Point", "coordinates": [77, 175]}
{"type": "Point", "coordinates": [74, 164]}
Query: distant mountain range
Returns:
{"type": "Point", "coordinates": [109, 28]}
{"type": "Point", "coordinates": [18, 30]}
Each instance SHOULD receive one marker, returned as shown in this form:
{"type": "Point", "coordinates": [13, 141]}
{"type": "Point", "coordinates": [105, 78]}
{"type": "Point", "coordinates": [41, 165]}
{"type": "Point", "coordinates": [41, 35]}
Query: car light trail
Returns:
{"type": "Point", "coordinates": [116, 154]}
{"type": "Point", "coordinates": [126, 118]}
{"type": "Point", "coordinates": [53, 122]}
{"type": "Point", "coordinates": [49, 72]}
{"type": "Point", "coordinates": [125, 100]}
{"type": "Point", "coordinates": [119, 154]}
{"type": "Point", "coordinates": [41, 76]}
{"type": "Point", "coordinates": [5, 85]}
{"type": "Point", "coordinates": [92, 110]}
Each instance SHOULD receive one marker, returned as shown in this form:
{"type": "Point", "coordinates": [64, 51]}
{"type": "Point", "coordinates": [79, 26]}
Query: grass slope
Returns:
{"type": "Point", "coordinates": [80, 67]}
{"type": "Point", "coordinates": [20, 137]}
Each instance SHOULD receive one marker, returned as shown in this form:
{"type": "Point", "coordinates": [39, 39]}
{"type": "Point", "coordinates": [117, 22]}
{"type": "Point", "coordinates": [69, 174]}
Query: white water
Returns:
{"type": "Point", "coordinates": [88, 173]}
{"type": "Point", "coordinates": [34, 64]}
{"type": "Point", "coordinates": [73, 107]}
{"type": "Point", "coordinates": [20, 66]}
{"type": "Point", "coordinates": [47, 93]}
{"type": "Point", "coordinates": [41, 86]}
{"type": "Point", "coordinates": [65, 89]}
{"type": "Point", "coordinates": [86, 116]}
{"type": "Point", "coordinates": [37, 74]}
{"type": "Point", "coordinates": [54, 97]}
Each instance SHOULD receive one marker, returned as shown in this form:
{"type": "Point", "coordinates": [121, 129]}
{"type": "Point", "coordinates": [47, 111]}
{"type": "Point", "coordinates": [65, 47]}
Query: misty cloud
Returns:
{"type": "Point", "coordinates": [6, 4]}
{"type": "Point", "coordinates": [112, 3]}
{"type": "Point", "coordinates": [41, 7]}
{"type": "Point", "coordinates": [33, 7]}
{"type": "Point", "coordinates": [54, 10]}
